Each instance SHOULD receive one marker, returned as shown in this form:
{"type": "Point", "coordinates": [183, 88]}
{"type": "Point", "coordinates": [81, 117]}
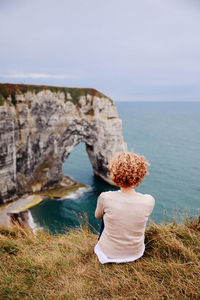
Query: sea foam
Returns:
{"type": "Point", "coordinates": [76, 194]}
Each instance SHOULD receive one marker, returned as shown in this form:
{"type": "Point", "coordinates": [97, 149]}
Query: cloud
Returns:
{"type": "Point", "coordinates": [23, 75]}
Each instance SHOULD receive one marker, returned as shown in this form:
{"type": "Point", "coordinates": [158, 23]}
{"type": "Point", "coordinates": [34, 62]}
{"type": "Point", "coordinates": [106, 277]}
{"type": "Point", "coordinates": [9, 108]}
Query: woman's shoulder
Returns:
{"type": "Point", "coordinates": [108, 194]}
{"type": "Point", "coordinates": [145, 197]}
{"type": "Point", "coordinates": [114, 195]}
{"type": "Point", "coordinates": [149, 198]}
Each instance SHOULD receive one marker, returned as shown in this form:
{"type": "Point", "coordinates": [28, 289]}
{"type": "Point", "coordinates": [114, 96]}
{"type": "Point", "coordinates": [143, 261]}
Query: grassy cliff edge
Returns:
{"type": "Point", "coordinates": [64, 266]}
{"type": "Point", "coordinates": [11, 90]}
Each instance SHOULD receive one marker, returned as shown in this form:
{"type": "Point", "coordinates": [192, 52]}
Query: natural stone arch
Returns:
{"type": "Point", "coordinates": [44, 127]}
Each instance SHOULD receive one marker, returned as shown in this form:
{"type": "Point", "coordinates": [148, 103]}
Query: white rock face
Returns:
{"type": "Point", "coordinates": [40, 131]}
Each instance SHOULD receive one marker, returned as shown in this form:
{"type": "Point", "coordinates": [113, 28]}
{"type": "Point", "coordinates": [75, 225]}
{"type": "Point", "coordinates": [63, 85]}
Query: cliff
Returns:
{"type": "Point", "coordinates": [65, 266]}
{"type": "Point", "coordinates": [40, 126]}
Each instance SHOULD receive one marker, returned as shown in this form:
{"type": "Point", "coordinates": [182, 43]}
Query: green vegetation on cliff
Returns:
{"type": "Point", "coordinates": [8, 89]}
{"type": "Point", "coordinates": [65, 267]}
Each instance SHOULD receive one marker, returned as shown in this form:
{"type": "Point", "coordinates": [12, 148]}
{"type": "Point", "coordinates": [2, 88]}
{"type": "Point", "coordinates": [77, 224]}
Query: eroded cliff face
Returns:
{"type": "Point", "coordinates": [39, 127]}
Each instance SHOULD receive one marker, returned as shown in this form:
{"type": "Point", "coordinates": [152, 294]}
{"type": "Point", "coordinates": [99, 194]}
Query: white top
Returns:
{"type": "Point", "coordinates": [104, 259]}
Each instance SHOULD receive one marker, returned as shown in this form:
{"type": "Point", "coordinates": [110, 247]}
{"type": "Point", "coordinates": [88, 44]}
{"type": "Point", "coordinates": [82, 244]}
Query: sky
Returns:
{"type": "Point", "coordinates": [131, 50]}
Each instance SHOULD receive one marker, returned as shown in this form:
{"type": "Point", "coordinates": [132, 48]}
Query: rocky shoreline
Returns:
{"type": "Point", "coordinates": [18, 211]}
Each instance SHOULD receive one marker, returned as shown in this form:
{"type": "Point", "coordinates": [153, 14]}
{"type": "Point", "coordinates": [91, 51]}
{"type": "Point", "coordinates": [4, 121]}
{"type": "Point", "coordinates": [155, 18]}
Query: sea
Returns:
{"type": "Point", "coordinates": [168, 135]}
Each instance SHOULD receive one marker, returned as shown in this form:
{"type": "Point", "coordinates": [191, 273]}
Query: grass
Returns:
{"type": "Point", "coordinates": [8, 89]}
{"type": "Point", "coordinates": [2, 100]}
{"type": "Point", "coordinates": [44, 266]}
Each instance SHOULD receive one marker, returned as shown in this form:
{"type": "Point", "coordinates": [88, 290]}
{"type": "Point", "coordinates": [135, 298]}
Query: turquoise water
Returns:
{"type": "Point", "coordinates": [168, 134]}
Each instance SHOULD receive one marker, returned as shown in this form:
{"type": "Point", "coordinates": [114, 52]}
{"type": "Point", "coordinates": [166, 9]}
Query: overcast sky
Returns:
{"type": "Point", "coordinates": [131, 50]}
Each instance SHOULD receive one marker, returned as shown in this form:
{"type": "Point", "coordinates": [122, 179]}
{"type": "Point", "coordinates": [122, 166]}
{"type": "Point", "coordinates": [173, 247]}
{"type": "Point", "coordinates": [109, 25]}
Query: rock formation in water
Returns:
{"type": "Point", "coordinates": [40, 126]}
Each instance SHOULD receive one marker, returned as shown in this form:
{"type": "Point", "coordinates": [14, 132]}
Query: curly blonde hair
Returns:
{"type": "Point", "coordinates": [128, 169]}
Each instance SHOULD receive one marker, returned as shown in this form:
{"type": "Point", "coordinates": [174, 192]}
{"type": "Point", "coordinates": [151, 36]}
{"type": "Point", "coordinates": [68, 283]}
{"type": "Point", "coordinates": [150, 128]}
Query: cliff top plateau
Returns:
{"type": "Point", "coordinates": [71, 94]}
{"type": "Point", "coordinates": [64, 266]}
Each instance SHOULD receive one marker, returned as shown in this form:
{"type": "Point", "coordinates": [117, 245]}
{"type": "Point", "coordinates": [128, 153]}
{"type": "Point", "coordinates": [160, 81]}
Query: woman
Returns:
{"type": "Point", "coordinates": [124, 212]}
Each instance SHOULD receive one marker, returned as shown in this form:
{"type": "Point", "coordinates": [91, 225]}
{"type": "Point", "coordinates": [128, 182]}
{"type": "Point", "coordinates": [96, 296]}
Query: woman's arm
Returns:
{"type": "Point", "coordinates": [99, 212]}
{"type": "Point", "coordinates": [151, 203]}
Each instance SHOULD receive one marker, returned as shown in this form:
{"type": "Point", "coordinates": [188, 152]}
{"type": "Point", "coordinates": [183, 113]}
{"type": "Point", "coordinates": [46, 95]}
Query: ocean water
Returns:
{"type": "Point", "coordinates": [168, 135]}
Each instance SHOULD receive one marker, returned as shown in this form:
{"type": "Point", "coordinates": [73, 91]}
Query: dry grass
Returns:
{"type": "Point", "coordinates": [65, 267]}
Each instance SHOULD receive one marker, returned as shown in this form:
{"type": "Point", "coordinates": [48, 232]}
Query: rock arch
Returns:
{"type": "Point", "coordinates": [41, 127]}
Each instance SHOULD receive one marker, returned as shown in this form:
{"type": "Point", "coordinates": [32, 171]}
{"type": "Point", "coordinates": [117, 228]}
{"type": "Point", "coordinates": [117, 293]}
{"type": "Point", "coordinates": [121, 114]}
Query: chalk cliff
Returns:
{"type": "Point", "coordinates": [40, 126]}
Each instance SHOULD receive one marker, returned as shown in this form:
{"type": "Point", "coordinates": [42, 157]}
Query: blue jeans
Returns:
{"type": "Point", "coordinates": [101, 230]}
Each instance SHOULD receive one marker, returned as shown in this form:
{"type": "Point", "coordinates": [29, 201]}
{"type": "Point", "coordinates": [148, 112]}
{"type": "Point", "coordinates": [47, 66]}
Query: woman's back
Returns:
{"type": "Point", "coordinates": [125, 217]}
